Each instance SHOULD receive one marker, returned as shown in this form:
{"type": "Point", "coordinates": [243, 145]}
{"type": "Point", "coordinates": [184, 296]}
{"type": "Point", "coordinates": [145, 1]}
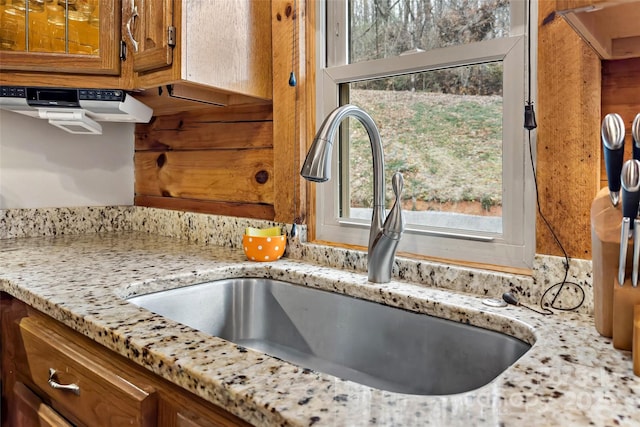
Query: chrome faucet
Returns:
{"type": "Point", "coordinates": [383, 237]}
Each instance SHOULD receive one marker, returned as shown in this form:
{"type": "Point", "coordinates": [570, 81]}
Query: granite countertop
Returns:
{"type": "Point", "coordinates": [571, 375]}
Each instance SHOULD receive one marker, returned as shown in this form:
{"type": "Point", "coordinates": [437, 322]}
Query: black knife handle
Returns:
{"type": "Point", "coordinates": [613, 163]}
{"type": "Point", "coordinates": [630, 200]}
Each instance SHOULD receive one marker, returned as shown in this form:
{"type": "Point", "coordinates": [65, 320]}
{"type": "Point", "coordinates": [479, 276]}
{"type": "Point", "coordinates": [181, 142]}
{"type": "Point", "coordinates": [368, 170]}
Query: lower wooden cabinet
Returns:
{"type": "Point", "coordinates": [83, 386]}
{"type": "Point", "coordinates": [54, 376]}
{"type": "Point", "coordinates": [30, 411]}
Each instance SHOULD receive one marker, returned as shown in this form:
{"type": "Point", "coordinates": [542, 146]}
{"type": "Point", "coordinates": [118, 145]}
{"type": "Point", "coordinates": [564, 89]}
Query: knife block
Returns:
{"type": "Point", "coordinates": [605, 251]}
{"type": "Point", "coordinates": [625, 298]}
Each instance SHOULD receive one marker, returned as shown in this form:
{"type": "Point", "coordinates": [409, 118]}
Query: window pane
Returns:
{"type": "Point", "coordinates": [385, 28]}
{"type": "Point", "coordinates": [443, 130]}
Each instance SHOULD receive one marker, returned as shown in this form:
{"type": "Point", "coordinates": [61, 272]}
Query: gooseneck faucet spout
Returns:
{"type": "Point", "coordinates": [384, 235]}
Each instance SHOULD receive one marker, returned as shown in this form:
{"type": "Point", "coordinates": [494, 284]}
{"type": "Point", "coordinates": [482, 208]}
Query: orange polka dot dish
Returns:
{"type": "Point", "coordinates": [264, 245]}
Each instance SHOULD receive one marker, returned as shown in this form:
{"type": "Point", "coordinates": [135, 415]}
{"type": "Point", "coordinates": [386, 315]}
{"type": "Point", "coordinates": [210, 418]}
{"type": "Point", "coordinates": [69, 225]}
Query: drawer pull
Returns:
{"type": "Point", "coordinates": [54, 384]}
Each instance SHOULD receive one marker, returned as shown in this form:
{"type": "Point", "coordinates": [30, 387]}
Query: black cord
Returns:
{"type": "Point", "coordinates": [564, 281]}
{"type": "Point", "coordinates": [530, 124]}
{"type": "Point", "coordinates": [510, 299]}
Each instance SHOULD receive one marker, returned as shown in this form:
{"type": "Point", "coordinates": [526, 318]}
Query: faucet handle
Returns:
{"type": "Point", "coordinates": [397, 182]}
{"type": "Point", "coordinates": [394, 224]}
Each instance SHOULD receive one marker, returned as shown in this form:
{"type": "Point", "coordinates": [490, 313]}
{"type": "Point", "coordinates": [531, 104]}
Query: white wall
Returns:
{"type": "Point", "coordinates": [43, 166]}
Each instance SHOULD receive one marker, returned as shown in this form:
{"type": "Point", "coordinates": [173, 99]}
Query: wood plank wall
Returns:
{"type": "Point", "coordinates": [217, 160]}
{"type": "Point", "coordinates": [292, 28]}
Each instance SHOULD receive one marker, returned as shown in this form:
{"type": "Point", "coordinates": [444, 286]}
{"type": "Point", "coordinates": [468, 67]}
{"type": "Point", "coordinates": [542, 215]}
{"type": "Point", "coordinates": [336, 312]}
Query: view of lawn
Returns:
{"type": "Point", "coordinates": [448, 148]}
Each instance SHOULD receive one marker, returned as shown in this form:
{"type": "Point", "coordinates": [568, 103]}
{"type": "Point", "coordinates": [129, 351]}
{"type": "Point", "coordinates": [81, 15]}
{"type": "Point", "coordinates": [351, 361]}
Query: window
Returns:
{"type": "Point", "coordinates": [445, 81]}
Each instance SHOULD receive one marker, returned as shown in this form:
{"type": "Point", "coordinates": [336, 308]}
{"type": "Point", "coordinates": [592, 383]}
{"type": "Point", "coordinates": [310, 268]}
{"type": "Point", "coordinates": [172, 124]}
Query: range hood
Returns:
{"type": "Point", "coordinates": [76, 111]}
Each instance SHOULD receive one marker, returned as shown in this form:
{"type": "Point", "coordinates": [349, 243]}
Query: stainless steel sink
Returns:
{"type": "Point", "coordinates": [372, 344]}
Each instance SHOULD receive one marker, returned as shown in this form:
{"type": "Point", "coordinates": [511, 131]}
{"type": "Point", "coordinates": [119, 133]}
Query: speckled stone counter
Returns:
{"type": "Point", "coordinates": [571, 375]}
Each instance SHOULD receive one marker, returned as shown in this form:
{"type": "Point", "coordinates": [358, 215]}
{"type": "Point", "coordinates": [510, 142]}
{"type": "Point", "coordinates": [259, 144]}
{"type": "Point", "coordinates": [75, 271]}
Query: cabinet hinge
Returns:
{"type": "Point", "coordinates": [171, 36]}
{"type": "Point", "coordinates": [123, 50]}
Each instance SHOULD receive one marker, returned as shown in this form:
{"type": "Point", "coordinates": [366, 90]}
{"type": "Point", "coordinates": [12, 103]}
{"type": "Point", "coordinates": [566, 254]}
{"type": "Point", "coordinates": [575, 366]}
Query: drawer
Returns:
{"type": "Point", "coordinates": [30, 411]}
{"type": "Point", "coordinates": [80, 385]}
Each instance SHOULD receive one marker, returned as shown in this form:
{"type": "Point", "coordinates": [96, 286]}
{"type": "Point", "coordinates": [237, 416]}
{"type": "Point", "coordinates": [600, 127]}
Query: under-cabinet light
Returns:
{"type": "Point", "coordinates": [73, 121]}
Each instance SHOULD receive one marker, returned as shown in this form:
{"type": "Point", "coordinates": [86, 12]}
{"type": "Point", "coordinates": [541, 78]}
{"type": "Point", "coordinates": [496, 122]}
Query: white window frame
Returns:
{"type": "Point", "coordinates": [515, 246]}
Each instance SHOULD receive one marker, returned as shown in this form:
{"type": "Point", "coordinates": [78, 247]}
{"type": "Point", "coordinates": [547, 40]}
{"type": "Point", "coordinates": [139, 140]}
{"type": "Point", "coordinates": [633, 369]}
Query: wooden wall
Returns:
{"type": "Point", "coordinates": [217, 160]}
{"type": "Point", "coordinates": [568, 141]}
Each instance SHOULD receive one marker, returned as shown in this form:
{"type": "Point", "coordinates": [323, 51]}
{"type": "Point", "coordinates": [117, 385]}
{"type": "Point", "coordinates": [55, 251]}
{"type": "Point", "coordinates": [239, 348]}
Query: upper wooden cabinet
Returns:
{"type": "Point", "coordinates": [36, 36]}
{"type": "Point", "coordinates": [611, 27]}
{"type": "Point", "coordinates": [170, 51]}
{"type": "Point", "coordinates": [222, 53]}
{"type": "Point", "coordinates": [149, 30]}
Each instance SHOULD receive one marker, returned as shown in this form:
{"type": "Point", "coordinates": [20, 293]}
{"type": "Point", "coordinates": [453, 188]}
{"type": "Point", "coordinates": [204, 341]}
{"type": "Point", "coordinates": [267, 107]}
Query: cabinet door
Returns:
{"type": "Point", "coordinates": [29, 411]}
{"type": "Point", "coordinates": [83, 388]}
{"type": "Point", "coordinates": [149, 33]}
{"type": "Point", "coordinates": [21, 53]}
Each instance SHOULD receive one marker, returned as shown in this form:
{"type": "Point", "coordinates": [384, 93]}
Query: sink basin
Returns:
{"type": "Point", "coordinates": [369, 343]}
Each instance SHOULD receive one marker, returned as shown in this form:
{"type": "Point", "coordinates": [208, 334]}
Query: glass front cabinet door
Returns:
{"type": "Point", "coordinates": [60, 36]}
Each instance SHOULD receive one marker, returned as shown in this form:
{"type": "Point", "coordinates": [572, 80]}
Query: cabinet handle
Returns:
{"type": "Point", "coordinates": [54, 384]}
{"type": "Point", "coordinates": [132, 17]}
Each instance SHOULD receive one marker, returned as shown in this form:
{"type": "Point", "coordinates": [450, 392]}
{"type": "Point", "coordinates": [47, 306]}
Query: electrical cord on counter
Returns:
{"type": "Point", "coordinates": [510, 299]}
{"type": "Point", "coordinates": [530, 124]}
